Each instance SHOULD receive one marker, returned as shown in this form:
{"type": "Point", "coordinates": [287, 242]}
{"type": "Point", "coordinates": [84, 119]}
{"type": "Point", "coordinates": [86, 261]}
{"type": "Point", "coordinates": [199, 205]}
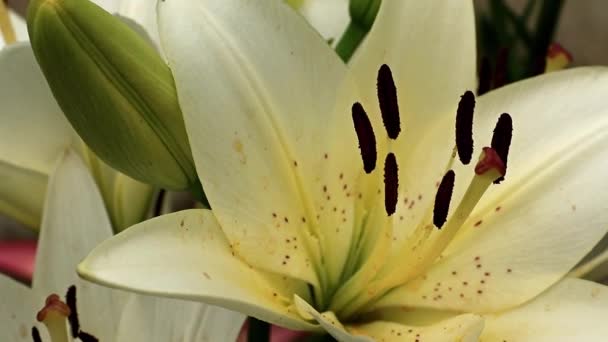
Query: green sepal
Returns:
{"type": "Point", "coordinates": [115, 89]}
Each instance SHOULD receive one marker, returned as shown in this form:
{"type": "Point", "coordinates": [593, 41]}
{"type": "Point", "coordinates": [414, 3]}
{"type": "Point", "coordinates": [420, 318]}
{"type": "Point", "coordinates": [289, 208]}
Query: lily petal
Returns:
{"type": "Point", "coordinates": [157, 319]}
{"type": "Point", "coordinates": [74, 221]}
{"type": "Point", "coordinates": [530, 230]}
{"type": "Point", "coordinates": [465, 328]}
{"type": "Point", "coordinates": [33, 134]}
{"type": "Point", "coordinates": [572, 310]}
{"type": "Point", "coordinates": [16, 316]}
{"type": "Point", "coordinates": [186, 255]}
{"type": "Point", "coordinates": [277, 133]}
{"type": "Point", "coordinates": [34, 130]}
{"type": "Point", "coordinates": [430, 48]}
{"type": "Point", "coordinates": [22, 194]}
{"type": "Point", "coordinates": [328, 17]}
{"type": "Point", "coordinates": [328, 321]}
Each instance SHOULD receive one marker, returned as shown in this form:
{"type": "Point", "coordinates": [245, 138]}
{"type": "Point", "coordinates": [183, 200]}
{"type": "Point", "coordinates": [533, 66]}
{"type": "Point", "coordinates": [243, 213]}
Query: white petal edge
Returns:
{"type": "Point", "coordinates": [185, 255]}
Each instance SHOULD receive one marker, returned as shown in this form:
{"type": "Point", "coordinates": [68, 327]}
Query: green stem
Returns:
{"type": "Point", "coordinates": [259, 331]}
{"type": "Point", "coordinates": [350, 40]}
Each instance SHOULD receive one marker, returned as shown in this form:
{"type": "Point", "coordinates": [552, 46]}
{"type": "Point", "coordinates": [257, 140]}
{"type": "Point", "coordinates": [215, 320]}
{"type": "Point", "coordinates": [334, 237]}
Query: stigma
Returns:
{"type": "Point", "coordinates": [61, 319]}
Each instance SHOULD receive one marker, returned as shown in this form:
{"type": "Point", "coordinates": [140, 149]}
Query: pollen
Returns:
{"type": "Point", "coordinates": [36, 335]}
{"type": "Point", "coordinates": [501, 139]}
{"type": "Point", "coordinates": [443, 198]}
{"type": "Point", "coordinates": [391, 184]}
{"type": "Point", "coordinates": [387, 98]}
{"type": "Point", "coordinates": [70, 298]}
{"type": "Point", "coordinates": [464, 127]}
{"type": "Point", "coordinates": [367, 139]}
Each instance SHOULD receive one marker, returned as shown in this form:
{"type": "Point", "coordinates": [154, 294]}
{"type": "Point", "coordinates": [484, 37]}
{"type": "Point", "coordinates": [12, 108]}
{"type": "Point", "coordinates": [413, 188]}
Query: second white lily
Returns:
{"type": "Point", "coordinates": [74, 222]}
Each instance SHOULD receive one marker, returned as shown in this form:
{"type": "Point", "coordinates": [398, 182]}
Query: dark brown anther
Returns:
{"type": "Point", "coordinates": [36, 335]}
{"type": "Point", "coordinates": [86, 337]}
{"type": "Point", "coordinates": [389, 106]}
{"type": "Point", "coordinates": [391, 184]}
{"type": "Point", "coordinates": [485, 76]}
{"type": "Point", "coordinates": [501, 140]}
{"type": "Point", "coordinates": [464, 127]}
{"type": "Point", "coordinates": [367, 139]}
{"type": "Point", "coordinates": [443, 199]}
{"type": "Point", "coordinates": [70, 299]}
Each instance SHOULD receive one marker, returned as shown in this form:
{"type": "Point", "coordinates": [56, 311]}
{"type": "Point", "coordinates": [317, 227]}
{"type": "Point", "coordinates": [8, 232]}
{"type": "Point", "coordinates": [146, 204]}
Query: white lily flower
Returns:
{"type": "Point", "coordinates": [306, 236]}
{"type": "Point", "coordinates": [74, 222]}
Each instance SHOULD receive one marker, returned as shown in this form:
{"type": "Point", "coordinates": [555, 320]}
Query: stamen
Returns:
{"type": "Point", "coordinates": [54, 315]}
{"type": "Point", "coordinates": [70, 299]}
{"type": "Point", "coordinates": [389, 106]}
{"type": "Point", "coordinates": [464, 127]}
{"type": "Point", "coordinates": [367, 139]}
{"type": "Point", "coordinates": [36, 335]}
{"type": "Point", "coordinates": [391, 184]}
{"type": "Point", "coordinates": [501, 140]}
{"type": "Point", "coordinates": [485, 76]}
{"type": "Point", "coordinates": [86, 337]}
{"type": "Point", "coordinates": [443, 199]}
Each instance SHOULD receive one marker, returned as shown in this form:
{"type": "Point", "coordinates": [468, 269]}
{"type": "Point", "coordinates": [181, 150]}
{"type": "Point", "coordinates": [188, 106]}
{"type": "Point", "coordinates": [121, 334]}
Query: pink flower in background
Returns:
{"type": "Point", "coordinates": [277, 334]}
{"type": "Point", "coordinates": [17, 258]}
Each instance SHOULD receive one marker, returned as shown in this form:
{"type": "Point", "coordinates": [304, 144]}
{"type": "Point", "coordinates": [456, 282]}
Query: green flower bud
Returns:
{"type": "Point", "coordinates": [114, 88]}
{"type": "Point", "coordinates": [363, 12]}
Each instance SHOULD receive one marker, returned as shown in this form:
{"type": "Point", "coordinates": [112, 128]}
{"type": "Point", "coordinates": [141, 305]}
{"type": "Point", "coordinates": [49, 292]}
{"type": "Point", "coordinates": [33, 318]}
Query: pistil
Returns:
{"type": "Point", "coordinates": [54, 315]}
